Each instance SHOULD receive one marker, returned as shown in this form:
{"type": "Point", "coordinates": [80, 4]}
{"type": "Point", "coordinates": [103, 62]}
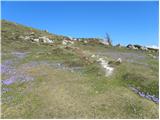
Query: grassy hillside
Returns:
{"type": "Point", "coordinates": [64, 81]}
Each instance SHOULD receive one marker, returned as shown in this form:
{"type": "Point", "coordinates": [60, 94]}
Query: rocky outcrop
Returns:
{"type": "Point", "coordinates": [139, 47]}
{"type": "Point", "coordinates": [67, 42]}
{"type": "Point", "coordinates": [32, 37]}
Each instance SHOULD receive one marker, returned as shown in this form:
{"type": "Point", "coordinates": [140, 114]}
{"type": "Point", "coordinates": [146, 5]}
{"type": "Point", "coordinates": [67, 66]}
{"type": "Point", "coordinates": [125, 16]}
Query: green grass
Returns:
{"type": "Point", "coordinates": [75, 96]}
{"type": "Point", "coordinates": [87, 93]}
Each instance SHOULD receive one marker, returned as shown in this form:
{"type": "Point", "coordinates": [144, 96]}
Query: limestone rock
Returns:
{"type": "Point", "coordinates": [67, 42]}
{"type": "Point", "coordinates": [44, 39]}
{"type": "Point", "coordinates": [119, 60]}
{"type": "Point", "coordinates": [36, 40]}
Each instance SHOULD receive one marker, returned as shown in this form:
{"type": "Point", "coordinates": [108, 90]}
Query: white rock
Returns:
{"type": "Point", "coordinates": [67, 42]}
{"type": "Point", "coordinates": [26, 38]}
{"type": "Point", "coordinates": [36, 40]}
{"type": "Point", "coordinates": [100, 59]}
{"type": "Point", "coordinates": [104, 64]}
{"type": "Point", "coordinates": [93, 56]}
{"type": "Point", "coordinates": [21, 37]}
{"type": "Point", "coordinates": [119, 60]}
{"type": "Point", "coordinates": [109, 71]}
{"type": "Point", "coordinates": [135, 48]}
{"type": "Point", "coordinates": [74, 39]}
{"type": "Point", "coordinates": [32, 33]}
{"type": "Point", "coordinates": [144, 48]}
{"type": "Point", "coordinates": [104, 42]}
{"type": "Point", "coordinates": [85, 41]}
{"type": "Point", "coordinates": [64, 42]}
{"type": "Point", "coordinates": [45, 39]}
{"type": "Point", "coordinates": [71, 42]}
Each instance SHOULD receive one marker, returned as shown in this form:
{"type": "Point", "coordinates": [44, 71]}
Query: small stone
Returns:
{"type": "Point", "coordinates": [59, 64]}
{"type": "Point", "coordinates": [93, 56]}
{"type": "Point", "coordinates": [119, 60]}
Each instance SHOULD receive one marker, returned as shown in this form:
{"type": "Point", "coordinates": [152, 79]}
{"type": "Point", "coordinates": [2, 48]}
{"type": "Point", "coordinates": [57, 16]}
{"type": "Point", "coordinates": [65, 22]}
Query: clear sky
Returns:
{"type": "Point", "coordinates": [126, 22]}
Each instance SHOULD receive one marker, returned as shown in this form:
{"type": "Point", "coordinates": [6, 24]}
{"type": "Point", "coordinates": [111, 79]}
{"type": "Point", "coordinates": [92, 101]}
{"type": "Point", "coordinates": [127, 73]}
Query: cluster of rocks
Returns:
{"type": "Point", "coordinates": [32, 37]}
{"type": "Point", "coordinates": [152, 56]}
{"type": "Point", "coordinates": [136, 47]}
{"type": "Point", "coordinates": [147, 95]}
{"type": "Point", "coordinates": [70, 41]}
{"type": "Point", "coordinates": [91, 40]}
{"type": "Point", "coordinates": [105, 65]}
{"type": "Point", "coordinates": [67, 42]}
{"type": "Point", "coordinates": [139, 47]}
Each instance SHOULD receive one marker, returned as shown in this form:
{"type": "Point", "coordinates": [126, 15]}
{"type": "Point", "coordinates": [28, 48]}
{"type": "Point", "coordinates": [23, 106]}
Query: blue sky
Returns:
{"type": "Point", "coordinates": [126, 22]}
